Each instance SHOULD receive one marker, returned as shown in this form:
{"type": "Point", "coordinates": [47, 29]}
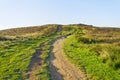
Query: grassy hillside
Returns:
{"type": "Point", "coordinates": [94, 50]}
{"type": "Point", "coordinates": [16, 52]}
{"type": "Point", "coordinates": [17, 47]}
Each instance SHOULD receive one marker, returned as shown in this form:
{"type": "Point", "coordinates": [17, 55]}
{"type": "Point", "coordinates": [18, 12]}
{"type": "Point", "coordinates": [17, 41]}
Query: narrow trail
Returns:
{"type": "Point", "coordinates": [60, 67]}
{"type": "Point", "coordinates": [35, 65]}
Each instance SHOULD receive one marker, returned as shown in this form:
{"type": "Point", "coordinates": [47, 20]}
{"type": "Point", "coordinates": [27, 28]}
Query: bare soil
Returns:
{"type": "Point", "coordinates": [60, 67]}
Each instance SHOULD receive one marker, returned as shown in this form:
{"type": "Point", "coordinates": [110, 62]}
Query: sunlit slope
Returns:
{"type": "Point", "coordinates": [18, 46]}
{"type": "Point", "coordinates": [95, 51]}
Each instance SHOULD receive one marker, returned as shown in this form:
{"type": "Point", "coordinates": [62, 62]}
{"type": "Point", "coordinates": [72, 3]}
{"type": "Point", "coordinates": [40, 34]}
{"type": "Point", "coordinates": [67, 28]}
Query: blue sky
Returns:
{"type": "Point", "coordinates": [20, 13]}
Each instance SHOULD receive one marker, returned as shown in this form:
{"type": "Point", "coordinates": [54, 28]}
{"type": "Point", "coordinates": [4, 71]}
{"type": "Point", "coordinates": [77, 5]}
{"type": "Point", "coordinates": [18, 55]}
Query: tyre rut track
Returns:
{"type": "Point", "coordinates": [35, 65]}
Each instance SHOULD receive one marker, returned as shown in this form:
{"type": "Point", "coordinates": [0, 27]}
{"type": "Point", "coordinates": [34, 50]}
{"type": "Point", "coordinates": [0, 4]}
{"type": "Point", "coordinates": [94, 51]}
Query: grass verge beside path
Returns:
{"type": "Point", "coordinates": [87, 60]}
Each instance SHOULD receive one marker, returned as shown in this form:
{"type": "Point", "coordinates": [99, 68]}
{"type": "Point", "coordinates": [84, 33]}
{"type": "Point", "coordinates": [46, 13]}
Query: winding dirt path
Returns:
{"type": "Point", "coordinates": [60, 67]}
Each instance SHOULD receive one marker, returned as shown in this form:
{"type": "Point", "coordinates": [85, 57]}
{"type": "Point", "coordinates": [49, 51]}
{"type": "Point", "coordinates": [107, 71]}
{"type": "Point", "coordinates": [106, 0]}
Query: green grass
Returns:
{"type": "Point", "coordinates": [94, 50]}
{"type": "Point", "coordinates": [17, 49]}
{"type": "Point", "coordinates": [68, 30]}
{"type": "Point", "coordinates": [84, 52]}
{"type": "Point", "coordinates": [16, 59]}
{"type": "Point", "coordinates": [16, 54]}
{"type": "Point", "coordinates": [44, 73]}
